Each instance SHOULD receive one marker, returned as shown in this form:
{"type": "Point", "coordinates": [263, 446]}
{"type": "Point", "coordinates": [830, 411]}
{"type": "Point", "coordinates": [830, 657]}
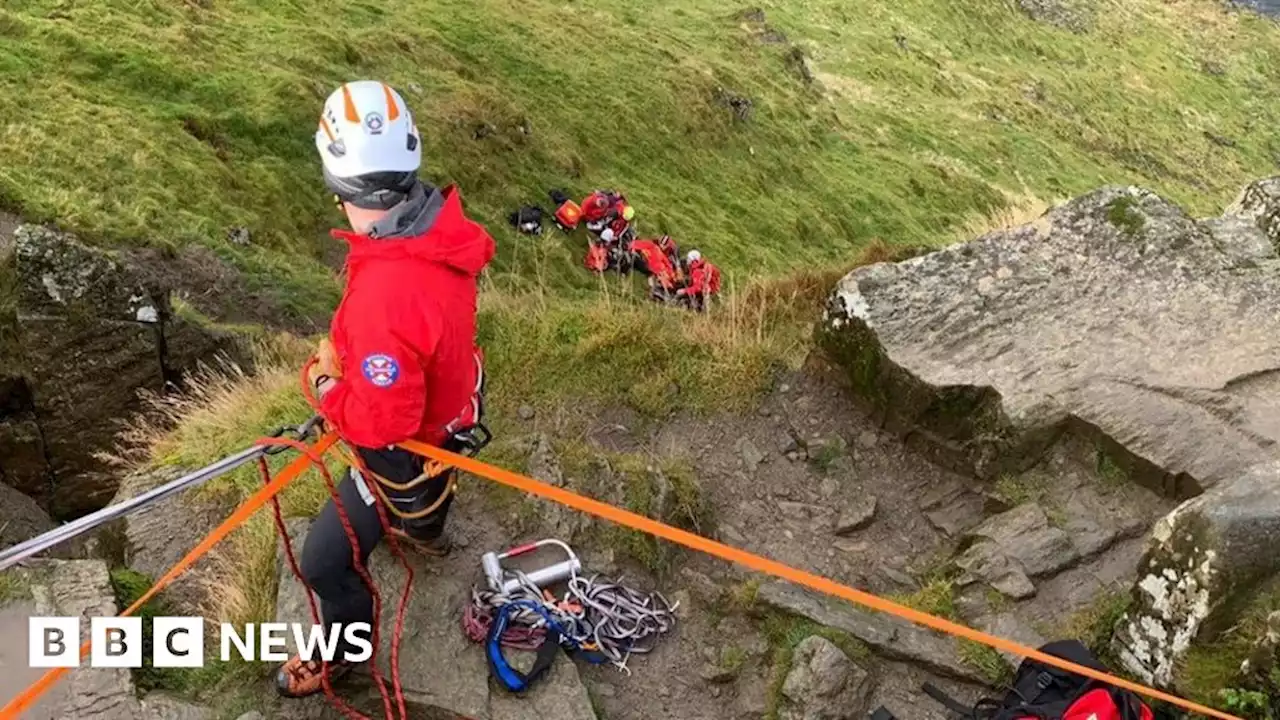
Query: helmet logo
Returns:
{"type": "Point", "coordinates": [373, 123]}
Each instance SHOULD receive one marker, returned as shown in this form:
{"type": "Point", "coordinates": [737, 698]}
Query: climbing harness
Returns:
{"type": "Point", "coordinates": [466, 435]}
{"type": "Point", "coordinates": [554, 640]}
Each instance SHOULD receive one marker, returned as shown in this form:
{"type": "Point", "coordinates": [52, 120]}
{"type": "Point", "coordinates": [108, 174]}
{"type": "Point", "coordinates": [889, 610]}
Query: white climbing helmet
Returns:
{"type": "Point", "coordinates": [368, 145]}
{"type": "Point", "coordinates": [693, 257]}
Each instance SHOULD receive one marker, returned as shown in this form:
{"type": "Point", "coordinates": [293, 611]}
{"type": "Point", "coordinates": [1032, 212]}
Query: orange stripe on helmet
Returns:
{"type": "Point", "coordinates": [393, 110]}
{"type": "Point", "coordinates": [349, 105]}
{"type": "Point", "coordinates": [327, 130]}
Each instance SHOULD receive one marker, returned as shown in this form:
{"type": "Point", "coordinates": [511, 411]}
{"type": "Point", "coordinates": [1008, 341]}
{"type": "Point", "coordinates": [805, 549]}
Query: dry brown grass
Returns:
{"type": "Point", "coordinates": [1022, 209]}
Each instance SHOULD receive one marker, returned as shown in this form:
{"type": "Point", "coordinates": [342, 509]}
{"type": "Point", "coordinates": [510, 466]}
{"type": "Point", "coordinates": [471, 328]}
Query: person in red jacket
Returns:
{"type": "Point", "coordinates": [651, 260]}
{"type": "Point", "coordinates": [704, 281]}
{"type": "Point", "coordinates": [400, 362]}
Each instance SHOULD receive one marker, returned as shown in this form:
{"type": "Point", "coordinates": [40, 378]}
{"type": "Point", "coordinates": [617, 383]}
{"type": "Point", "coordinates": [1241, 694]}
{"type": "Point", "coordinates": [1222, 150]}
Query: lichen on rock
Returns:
{"type": "Point", "coordinates": [1203, 559]}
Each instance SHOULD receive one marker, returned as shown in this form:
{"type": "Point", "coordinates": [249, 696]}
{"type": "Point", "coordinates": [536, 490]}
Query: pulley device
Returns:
{"type": "Point", "coordinates": [505, 582]}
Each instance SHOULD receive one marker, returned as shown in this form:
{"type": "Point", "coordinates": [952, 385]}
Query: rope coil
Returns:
{"type": "Point", "coordinates": [598, 614]}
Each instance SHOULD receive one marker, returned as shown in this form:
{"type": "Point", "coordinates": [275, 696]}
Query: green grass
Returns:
{"type": "Point", "coordinates": [1123, 213]}
{"type": "Point", "coordinates": [825, 455]}
{"type": "Point", "coordinates": [1110, 472]}
{"type": "Point", "coordinates": [988, 662]}
{"type": "Point", "coordinates": [1213, 664]}
{"type": "Point", "coordinates": [936, 597]}
{"type": "Point", "coordinates": [664, 488]}
{"type": "Point", "coordinates": [128, 586]}
{"type": "Point", "coordinates": [169, 123]}
{"type": "Point", "coordinates": [13, 585]}
{"type": "Point", "coordinates": [1094, 625]}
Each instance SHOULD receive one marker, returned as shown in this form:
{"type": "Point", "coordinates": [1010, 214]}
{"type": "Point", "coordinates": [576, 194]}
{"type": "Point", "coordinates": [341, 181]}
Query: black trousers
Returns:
{"type": "Point", "coordinates": [326, 562]}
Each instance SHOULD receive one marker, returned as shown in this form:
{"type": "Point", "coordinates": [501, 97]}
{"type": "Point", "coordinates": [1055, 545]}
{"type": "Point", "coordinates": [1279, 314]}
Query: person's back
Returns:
{"type": "Point", "coordinates": [418, 280]}
{"type": "Point", "coordinates": [655, 262]}
{"type": "Point", "coordinates": [704, 280]}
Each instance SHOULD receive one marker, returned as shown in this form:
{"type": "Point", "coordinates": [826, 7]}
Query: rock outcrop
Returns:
{"type": "Point", "coordinates": [1203, 557]}
{"type": "Point", "coordinates": [63, 588]}
{"type": "Point", "coordinates": [158, 535]}
{"type": "Point", "coordinates": [1115, 314]}
{"type": "Point", "coordinates": [21, 518]}
{"type": "Point", "coordinates": [87, 332]}
{"type": "Point", "coordinates": [884, 634]}
{"type": "Point", "coordinates": [824, 684]}
{"type": "Point", "coordinates": [1123, 321]}
{"type": "Point", "coordinates": [444, 674]}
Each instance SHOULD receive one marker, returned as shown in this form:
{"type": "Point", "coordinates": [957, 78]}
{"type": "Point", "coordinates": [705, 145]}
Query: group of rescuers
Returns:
{"type": "Point", "coordinates": [609, 218]}
{"type": "Point", "coordinates": [400, 361]}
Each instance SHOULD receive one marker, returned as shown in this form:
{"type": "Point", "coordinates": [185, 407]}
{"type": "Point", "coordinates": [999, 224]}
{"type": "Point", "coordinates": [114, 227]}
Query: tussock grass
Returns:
{"type": "Point", "coordinates": [1214, 664]}
{"type": "Point", "coordinates": [222, 410]}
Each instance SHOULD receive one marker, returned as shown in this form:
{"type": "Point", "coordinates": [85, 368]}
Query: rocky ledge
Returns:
{"type": "Point", "coordinates": [1118, 318]}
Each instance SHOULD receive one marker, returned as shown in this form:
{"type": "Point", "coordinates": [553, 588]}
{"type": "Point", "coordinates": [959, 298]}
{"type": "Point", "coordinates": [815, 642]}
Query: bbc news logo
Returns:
{"type": "Point", "coordinates": [178, 642]}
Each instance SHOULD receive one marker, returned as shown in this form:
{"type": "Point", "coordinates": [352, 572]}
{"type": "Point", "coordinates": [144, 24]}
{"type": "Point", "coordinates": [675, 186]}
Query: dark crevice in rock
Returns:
{"type": "Point", "coordinates": [90, 331]}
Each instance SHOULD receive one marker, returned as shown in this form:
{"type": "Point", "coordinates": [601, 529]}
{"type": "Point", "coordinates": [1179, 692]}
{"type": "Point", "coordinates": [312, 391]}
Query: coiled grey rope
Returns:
{"type": "Point", "coordinates": [598, 613]}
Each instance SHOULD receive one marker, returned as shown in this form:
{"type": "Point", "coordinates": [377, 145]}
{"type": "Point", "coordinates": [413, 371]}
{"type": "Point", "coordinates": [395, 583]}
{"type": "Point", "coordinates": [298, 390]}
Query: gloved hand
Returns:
{"type": "Point", "coordinates": [326, 362]}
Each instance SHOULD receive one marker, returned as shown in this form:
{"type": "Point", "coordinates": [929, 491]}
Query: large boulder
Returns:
{"type": "Point", "coordinates": [1204, 558]}
{"type": "Point", "coordinates": [86, 333]}
{"type": "Point", "coordinates": [1116, 314]}
{"type": "Point", "coordinates": [20, 518]}
{"type": "Point", "coordinates": [1118, 317]}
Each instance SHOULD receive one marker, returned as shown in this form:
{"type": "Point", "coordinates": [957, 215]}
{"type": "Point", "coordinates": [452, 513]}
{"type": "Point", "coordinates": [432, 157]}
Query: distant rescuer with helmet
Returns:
{"type": "Point", "coordinates": [401, 361]}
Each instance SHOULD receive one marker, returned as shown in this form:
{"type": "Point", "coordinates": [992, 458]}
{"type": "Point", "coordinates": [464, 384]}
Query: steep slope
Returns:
{"type": "Point", "coordinates": [773, 137]}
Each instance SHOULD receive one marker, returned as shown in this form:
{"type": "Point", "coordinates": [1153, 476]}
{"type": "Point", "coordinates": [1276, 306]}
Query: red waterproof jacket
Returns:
{"type": "Point", "coordinates": [704, 279]}
{"type": "Point", "coordinates": [656, 262]}
{"type": "Point", "coordinates": [405, 330]}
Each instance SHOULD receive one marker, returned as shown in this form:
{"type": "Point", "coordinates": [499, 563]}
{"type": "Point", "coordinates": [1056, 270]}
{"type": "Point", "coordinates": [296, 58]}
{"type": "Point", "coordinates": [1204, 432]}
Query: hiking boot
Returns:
{"type": "Point", "coordinates": [439, 546]}
{"type": "Point", "coordinates": [299, 678]}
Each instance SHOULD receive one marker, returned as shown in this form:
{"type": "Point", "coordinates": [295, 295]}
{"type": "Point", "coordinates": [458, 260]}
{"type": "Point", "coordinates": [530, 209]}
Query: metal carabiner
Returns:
{"type": "Point", "coordinates": [300, 432]}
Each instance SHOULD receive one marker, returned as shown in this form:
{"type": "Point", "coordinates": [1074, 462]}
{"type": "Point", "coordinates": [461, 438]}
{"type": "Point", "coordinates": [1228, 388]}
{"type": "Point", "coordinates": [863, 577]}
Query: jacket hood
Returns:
{"type": "Point", "coordinates": [429, 225]}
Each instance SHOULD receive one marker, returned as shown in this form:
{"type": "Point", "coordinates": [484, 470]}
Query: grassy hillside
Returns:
{"type": "Point", "coordinates": [788, 142]}
{"type": "Point", "coordinates": [168, 123]}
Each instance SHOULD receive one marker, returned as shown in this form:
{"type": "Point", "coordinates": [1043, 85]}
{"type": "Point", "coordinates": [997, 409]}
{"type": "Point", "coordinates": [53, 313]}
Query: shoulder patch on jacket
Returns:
{"type": "Point", "coordinates": [380, 369]}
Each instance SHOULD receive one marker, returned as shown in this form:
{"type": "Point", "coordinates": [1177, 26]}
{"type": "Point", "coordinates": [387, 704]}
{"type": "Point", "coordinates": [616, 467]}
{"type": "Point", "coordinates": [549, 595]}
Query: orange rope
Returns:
{"type": "Point", "coordinates": [28, 697]}
{"type": "Point", "coordinates": [786, 572]}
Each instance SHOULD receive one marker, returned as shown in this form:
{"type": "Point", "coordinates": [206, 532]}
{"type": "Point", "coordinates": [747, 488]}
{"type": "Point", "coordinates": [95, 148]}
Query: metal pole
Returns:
{"type": "Point", "coordinates": [12, 556]}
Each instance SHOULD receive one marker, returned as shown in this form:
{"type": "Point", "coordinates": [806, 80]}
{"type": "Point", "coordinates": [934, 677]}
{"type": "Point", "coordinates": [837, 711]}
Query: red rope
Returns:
{"type": "Point", "coordinates": [363, 572]}
{"type": "Point", "coordinates": [342, 707]}
{"type": "Point", "coordinates": [398, 631]}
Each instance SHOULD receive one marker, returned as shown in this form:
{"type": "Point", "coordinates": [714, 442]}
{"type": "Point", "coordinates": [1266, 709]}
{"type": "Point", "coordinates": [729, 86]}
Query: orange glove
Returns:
{"type": "Point", "coordinates": [326, 362]}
